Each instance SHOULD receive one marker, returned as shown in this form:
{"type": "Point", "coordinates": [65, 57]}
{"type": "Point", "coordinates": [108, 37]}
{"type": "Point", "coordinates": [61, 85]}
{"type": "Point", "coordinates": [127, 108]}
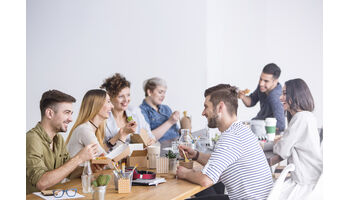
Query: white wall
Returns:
{"type": "Point", "coordinates": [236, 46]}
{"type": "Point", "coordinates": [294, 40]}
{"type": "Point", "coordinates": [74, 45]}
{"type": "Point", "coordinates": [243, 36]}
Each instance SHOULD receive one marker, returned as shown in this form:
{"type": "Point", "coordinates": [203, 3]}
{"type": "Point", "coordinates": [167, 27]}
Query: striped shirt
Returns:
{"type": "Point", "coordinates": [240, 164]}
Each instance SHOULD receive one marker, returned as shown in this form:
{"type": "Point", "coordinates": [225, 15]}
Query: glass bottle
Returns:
{"type": "Point", "coordinates": [186, 138]}
{"type": "Point", "coordinates": [86, 177]}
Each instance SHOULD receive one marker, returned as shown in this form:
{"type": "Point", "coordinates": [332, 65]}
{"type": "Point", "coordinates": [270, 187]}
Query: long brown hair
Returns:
{"type": "Point", "coordinates": [92, 103]}
{"type": "Point", "coordinates": [298, 96]}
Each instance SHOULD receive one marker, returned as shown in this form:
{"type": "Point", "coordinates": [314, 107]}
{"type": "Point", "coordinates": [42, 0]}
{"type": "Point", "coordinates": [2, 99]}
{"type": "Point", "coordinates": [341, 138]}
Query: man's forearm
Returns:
{"type": "Point", "coordinates": [199, 178]}
{"type": "Point", "coordinates": [203, 158]}
{"type": "Point", "coordinates": [247, 101]}
{"type": "Point", "coordinates": [53, 177]}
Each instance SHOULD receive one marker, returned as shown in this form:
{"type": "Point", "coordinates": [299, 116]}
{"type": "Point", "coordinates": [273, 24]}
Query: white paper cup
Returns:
{"type": "Point", "coordinates": [270, 125]}
{"type": "Point", "coordinates": [153, 154]}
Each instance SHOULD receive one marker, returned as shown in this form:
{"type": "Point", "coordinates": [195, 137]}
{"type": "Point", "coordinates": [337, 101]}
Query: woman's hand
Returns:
{"type": "Point", "coordinates": [130, 127]}
{"type": "Point", "coordinates": [277, 139]}
{"type": "Point", "coordinates": [97, 167]}
{"type": "Point", "coordinates": [123, 132]}
{"type": "Point", "coordinates": [150, 141]}
{"type": "Point", "coordinates": [174, 117]}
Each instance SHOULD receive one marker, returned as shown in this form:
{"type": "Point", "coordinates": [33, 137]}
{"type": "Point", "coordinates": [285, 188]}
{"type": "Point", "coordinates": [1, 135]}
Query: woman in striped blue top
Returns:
{"type": "Point", "coordinates": [237, 161]}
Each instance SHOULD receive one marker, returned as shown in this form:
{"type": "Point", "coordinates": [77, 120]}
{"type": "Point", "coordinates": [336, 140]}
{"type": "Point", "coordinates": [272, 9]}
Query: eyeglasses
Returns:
{"type": "Point", "coordinates": [59, 192]}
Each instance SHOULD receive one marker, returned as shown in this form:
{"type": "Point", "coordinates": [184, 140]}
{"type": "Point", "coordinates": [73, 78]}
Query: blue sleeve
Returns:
{"type": "Point", "coordinates": [168, 111]}
{"type": "Point", "coordinates": [144, 113]}
{"type": "Point", "coordinates": [175, 127]}
{"type": "Point", "coordinates": [254, 97]}
{"type": "Point", "coordinates": [278, 112]}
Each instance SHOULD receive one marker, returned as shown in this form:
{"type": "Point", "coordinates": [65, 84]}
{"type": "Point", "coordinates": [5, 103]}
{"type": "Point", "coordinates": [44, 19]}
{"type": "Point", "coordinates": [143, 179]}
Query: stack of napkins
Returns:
{"type": "Point", "coordinates": [155, 181]}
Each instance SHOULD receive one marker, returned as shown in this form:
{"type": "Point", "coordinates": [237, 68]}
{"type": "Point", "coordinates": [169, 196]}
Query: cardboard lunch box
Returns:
{"type": "Point", "coordinates": [138, 157]}
{"type": "Point", "coordinates": [117, 154]}
{"type": "Point", "coordinates": [142, 137]}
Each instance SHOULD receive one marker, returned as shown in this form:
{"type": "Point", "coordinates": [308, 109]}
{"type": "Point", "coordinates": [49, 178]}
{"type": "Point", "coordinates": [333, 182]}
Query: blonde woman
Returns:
{"type": "Point", "coordinates": [94, 110]}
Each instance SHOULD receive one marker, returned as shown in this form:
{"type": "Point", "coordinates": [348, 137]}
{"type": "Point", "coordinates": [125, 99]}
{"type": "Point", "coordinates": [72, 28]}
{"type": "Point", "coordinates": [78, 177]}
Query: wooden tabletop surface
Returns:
{"type": "Point", "coordinates": [172, 189]}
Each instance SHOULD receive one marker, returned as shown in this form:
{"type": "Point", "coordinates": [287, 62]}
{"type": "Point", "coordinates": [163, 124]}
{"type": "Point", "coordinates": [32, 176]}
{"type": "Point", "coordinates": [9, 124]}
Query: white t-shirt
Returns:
{"type": "Point", "coordinates": [82, 136]}
{"type": "Point", "coordinates": [112, 128]}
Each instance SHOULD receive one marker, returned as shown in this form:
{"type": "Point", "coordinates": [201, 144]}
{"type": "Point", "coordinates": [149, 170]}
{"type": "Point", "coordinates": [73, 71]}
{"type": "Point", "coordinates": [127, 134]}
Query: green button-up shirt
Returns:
{"type": "Point", "coordinates": [40, 158]}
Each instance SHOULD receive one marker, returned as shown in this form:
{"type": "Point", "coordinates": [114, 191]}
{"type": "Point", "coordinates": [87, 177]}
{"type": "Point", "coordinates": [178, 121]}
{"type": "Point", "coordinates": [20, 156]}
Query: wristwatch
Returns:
{"type": "Point", "coordinates": [196, 156]}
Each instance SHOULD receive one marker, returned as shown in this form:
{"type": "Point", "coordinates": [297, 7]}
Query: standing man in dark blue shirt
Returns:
{"type": "Point", "coordinates": [268, 93]}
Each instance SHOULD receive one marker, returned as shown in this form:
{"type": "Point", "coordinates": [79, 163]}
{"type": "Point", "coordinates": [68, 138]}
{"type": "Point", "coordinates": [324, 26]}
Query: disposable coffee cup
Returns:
{"type": "Point", "coordinates": [153, 154]}
{"type": "Point", "coordinates": [270, 126]}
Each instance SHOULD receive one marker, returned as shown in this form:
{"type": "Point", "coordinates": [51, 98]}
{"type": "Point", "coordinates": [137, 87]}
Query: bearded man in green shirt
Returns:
{"type": "Point", "coordinates": [48, 161]}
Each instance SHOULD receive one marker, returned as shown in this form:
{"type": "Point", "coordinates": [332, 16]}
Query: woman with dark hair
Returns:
{"type": "Point", "coordinates": [118, 128]}
{"type": "Point", "coordinates": [300, 143]}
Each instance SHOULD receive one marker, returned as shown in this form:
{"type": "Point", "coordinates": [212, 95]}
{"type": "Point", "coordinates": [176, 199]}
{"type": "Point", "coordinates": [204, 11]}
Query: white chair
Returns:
{"type": "Point", "coordinates": [278, 185]}
{"type": "Point", "coordinates": [317, 192]}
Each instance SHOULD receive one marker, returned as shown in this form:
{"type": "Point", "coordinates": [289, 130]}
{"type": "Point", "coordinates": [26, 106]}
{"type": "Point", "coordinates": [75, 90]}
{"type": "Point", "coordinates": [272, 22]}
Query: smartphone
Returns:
{"type": "Point", "coordinates": [47, 192]}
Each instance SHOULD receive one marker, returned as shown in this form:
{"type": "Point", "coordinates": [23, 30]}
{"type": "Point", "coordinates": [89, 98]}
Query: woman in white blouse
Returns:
{"type": "Point", "coordinates": [300, 143]}
{"type": "Point", "coordinates": [118, 129]}
{"type": "Point", "coordinates": [94, 110]}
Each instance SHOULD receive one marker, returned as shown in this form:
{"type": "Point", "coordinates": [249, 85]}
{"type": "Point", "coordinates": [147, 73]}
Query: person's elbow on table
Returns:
{"type": "Point", "coordinates": [41, 184]}
{"type": "Point", "coordinates": [205, 181]}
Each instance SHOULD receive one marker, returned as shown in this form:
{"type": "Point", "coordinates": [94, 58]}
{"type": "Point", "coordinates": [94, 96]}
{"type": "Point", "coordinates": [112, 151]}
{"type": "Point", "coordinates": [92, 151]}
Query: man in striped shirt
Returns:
{"type": "Point", "coordinates": [237, 160]}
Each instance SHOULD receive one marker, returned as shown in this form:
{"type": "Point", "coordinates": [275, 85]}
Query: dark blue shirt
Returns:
{"type": "Point", "coordinates": [155, 119]}
{"type": "Point", "coordinates": [270, 105]}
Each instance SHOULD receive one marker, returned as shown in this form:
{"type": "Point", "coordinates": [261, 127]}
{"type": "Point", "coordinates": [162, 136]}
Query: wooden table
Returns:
{"type": "Point", "coordinates": [172, 189]}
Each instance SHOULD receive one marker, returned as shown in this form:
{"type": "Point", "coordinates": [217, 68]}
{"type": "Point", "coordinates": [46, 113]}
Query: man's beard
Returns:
{"type": "Point", "coordinates": [212, 122]}
{"type": "Point", "coordinates": [60, 128]}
